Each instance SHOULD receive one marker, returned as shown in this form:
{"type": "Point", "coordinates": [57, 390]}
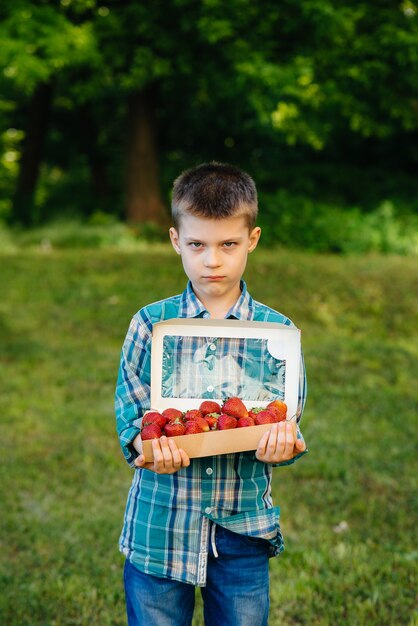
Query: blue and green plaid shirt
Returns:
{"type": "Point", "coordinates": [167, 517]}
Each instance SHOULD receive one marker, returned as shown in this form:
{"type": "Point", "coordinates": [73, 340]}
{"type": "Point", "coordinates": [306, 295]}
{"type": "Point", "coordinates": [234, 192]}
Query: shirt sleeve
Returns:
{"type": "Point", "coordinates": [132, 396]}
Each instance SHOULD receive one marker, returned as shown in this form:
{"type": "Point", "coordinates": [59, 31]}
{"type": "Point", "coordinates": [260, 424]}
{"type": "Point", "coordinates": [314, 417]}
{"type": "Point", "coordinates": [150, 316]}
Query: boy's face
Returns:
{"type": "Point", "coordinates": [214, 254]}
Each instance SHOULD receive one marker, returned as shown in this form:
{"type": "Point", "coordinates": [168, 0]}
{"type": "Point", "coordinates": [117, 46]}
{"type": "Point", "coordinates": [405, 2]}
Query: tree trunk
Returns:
{"type": "Point", "coordinates": [32, 152]}
{"type": "Point", "coordinates": [89, 145]}
{"type": "Point", "coordinates": [143, 202]}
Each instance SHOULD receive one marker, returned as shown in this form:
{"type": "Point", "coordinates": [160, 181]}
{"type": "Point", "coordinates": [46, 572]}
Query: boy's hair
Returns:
{"type": "Point", "coordinates": [214, 190]}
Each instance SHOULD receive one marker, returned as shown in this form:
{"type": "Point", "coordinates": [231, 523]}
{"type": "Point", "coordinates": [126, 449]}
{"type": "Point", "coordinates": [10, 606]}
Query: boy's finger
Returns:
{"type": "Point", "coordinates": [157, 454]}
{"type": "Point", "coordinates": [289, 442]}
{"type": "Point", "coordinates": [139, 461]}
{"type": "Point", "coordinates": [261, 450]}
{"type": "Point", "coordinates": [300, 445]}
{"type": "Point", "coordinates": [166, 452]}
{"type": "Point", "coordinates": [281, 438]}
{"type": "Point", "coordinates": [273, 439]}
{"type": "Point", "coordinates": [175, 454]}
{"type": "Point", "coordinates": [185, 460]}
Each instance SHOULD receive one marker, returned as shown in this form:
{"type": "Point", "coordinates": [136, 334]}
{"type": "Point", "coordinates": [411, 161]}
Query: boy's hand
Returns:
{"type": "Point", "coordinates": [279, 444]}
{"type": "Point", "coordinates": [168, 458]}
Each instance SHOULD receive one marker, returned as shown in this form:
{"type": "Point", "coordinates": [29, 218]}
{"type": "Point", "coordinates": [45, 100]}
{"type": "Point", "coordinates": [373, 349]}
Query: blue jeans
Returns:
{"type": "Point", "coordinates": [236, 592]}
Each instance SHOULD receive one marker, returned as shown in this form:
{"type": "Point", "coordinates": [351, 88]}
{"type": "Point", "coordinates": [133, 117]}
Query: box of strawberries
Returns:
{"type": "Point", "coordinates": [218, 385]}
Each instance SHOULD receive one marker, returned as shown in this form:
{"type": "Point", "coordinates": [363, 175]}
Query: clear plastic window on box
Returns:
{"type": "Point", "coordinates": [221, 367]}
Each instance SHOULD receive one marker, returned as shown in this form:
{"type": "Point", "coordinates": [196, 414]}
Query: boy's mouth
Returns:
{"type": "Point", "coordinates": [213, 278]}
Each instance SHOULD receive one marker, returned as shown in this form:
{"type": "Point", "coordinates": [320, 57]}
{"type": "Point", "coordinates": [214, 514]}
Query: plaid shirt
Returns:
{"type": "Point", "coordinates": [167, 517]}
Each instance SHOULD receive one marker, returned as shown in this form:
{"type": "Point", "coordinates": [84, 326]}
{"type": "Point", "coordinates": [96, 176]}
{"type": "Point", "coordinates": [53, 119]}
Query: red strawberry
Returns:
{"type": "Point", "coordinates": [226, 422]}
{"type": "Point", "coordinates": [151, 431]}
{"type": "Point", "coordinates": [198, 425]}
{"type": "Point", "coordinates": [153, 417]}
{"type": "Point", "coordinates": [275, 412]}
{"type": "Point", "coordinates": [280, 408]}
{"type": "Point", "coordinates": [192, 414]}
{"type": "Point", "coordinates": [245, 421]}
{"type": "Point", "coordinates": [212, 420]}
{"type": "Point", "coordinates": [208, 406]}
{"type": "Point", "coordinates": [235, 407]}
{"type": "Point", "coordinates": [254, 411]}
{"type": "Point", "coordinates": [202, 423]}
{"type": "Point", "coordinates": [174, 428]}
{"type": "Point", "coordinates": [171, 414]}
{"type": "Point", "coordinates": [265, 417]}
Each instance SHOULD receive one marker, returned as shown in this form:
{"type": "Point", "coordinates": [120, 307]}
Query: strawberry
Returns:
{"type": "Point", "coordinates": [198, 425]}
{"type": "Point", "coordinates": [235, 407]}
{"type": "Point", "coordinates": [245, 421]}
{"type": "Point", "coordinates": [192, 414]}
{"type": "Point", "coordinates": [265, 417]}
{"type": "Point", "coordinates": [153, 417]}
{"type": "Point", "coordinates": [202, 423]}
{"type": "Point", "coordinates": [226, 422]}
{"type": "Point", "coordinates": [280, 407]}
{"type": "Point", "coordinates": [208, 406]}
{"type": "Point", "coordinates": [212, 420]}
{"type": "Point", "coordinates": [171, 414]}
{"type": "Point", "coordinates": [174, 428]}
{"type": "Point", "coordinates": [275, 412]}
{"type": "Point", "coordinates": [150, 431]}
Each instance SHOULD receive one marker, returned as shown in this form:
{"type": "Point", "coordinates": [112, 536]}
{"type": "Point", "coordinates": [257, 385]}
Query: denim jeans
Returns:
{"type": "Point", "coordinates": [236, 592]}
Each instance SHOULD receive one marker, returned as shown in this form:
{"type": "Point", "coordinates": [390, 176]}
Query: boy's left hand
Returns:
{"type": "Point", "coordinates": [279, 444]}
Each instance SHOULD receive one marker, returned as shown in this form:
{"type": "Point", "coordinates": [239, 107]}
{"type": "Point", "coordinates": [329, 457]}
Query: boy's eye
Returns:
{"type": "Point", "coordinates": [229, 244]}
{"type": "Point", "coordinates": [195, 244]}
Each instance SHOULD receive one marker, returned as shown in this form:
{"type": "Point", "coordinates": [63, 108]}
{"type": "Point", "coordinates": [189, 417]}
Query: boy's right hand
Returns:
{"type": "Point", "coordinates": [168, 457]}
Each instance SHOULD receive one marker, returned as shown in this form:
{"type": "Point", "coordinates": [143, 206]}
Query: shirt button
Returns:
{"type": "Point", "coordinates": [209, 471]}
{"type": "Point", "coordinates": [210, 388]}
{"type": "Point", "coordinates": [206, 315]}
{"type": "Point", "coordinates": [212, 347]}
{"type": "Point", "coordinates": [208, 510]}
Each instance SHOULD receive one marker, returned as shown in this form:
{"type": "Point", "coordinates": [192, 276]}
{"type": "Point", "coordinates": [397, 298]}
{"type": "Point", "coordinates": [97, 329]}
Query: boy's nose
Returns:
{"type": "Point", "coordinates": [212, 258]}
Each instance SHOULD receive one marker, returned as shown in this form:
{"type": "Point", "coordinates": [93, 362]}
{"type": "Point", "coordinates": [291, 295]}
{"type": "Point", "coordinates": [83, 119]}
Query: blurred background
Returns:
{"type": "Point", "coordinates": [102, 104]}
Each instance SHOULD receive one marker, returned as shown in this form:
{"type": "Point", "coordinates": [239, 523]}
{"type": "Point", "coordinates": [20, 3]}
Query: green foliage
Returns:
{"type": "Point", "coordinates": [346, 508]}
{"type": "Point", "coordinates": [311, 97]}
{"type": "Point", "coordinates": [287, 221]}
{"type": "Point", "coordinates": [362, 72]}
{"type": "Point", "coordinates": [38, 42]}
{"type": "Point", "coordinates": [295, 221]}
{"type": "Point", "coordinates": [100, 231]}
{"type": "Point", "coordinates": [10, 142]}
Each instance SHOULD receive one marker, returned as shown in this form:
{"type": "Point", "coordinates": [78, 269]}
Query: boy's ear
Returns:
{"type": "Point", "coordinates": [254, 238]}
{"type": "Point", "coordinates": [174, 236]}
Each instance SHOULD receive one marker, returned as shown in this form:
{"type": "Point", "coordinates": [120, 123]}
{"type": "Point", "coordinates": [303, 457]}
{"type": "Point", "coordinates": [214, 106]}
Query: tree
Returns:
{"type": "Point", "coordinates": [303, 94]}
{"type": "Point", "coordinates": [39, 108]}
{"type": "Point", "coordinates": [357, 68]}
{"type": "Point", "coordinates": [38, 43]}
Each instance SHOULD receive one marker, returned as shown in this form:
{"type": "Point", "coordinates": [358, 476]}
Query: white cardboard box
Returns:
{"type": "Point", "coordinates": [282, 347]}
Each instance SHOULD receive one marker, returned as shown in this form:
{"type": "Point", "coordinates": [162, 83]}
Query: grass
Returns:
{"type": "Point", "coordinates": [348, 508]}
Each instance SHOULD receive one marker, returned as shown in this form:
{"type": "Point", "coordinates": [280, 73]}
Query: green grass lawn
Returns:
{"type": "Point", "coordinates": [348, 507]}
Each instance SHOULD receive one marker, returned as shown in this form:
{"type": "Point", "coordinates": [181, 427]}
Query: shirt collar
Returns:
{"type": "Point", "coordinates": [190, 305]}
{"type": "Point", "coordinates": [243, 309]}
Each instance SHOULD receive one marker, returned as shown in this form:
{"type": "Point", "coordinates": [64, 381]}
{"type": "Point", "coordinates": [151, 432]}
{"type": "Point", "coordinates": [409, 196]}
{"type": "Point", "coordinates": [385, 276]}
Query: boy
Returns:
{"type": "Point", "coordinates": [206, 522]}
